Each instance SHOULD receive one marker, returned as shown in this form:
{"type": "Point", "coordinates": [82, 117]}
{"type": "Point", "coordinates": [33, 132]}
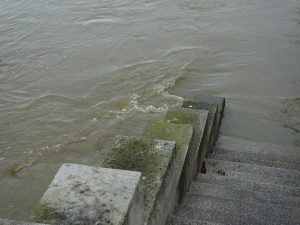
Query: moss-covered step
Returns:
{"type": "Point", "coordinates": [85, 195]}
{"type": "Point", "coordinates": [150, 157]}
{"type": "Point", "coordinates": [215, 106]}
{"type": "Point", "coordinates": [14, 222]}
{"type": "Point", "coordinates": [174, 181]}
{"type": "Point", "coordinates": [199, 144]}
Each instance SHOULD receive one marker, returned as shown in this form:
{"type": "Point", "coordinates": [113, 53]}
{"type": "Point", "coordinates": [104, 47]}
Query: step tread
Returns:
{"type": "Point", "coordinates": [176, 220]}
{"type": "Point", "coordinates": [238, 183]}
{"type": "Point", "coordinates": [228, 218]}
{"type": "Point", "coordinates": [215, 165]}
{"type": "Point", "coordinates": [270, 160]}
{"type": "Point", "coordinates": [234, 206]}
{"type": "Point", "coordinates": [257, 177]}
{"type": "Point", "coordinates": [234, 143]}
{"type": "Point", "coordinates": [226, 192]}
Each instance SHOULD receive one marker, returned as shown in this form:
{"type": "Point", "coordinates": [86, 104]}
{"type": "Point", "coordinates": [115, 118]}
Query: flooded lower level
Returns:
{"type": "Point", "coordinates": [73, 74]}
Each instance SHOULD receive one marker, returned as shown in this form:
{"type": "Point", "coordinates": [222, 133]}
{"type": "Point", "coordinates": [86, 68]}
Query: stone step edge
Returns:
{"type": "Point", "coordinates": [226, 218]}
{"type": "Point", "coordinates": [225, 192]}
{"type": "Point", "coordinates": [216, 179]}
{"type": "Point", "coordinates": [254, 208]}
{"type": "Point", "coordinates": [226, 141]}
{"type": "Point", "coordinates": [268, 160]}
{"type": "Point", "coordinates": [250, 168]}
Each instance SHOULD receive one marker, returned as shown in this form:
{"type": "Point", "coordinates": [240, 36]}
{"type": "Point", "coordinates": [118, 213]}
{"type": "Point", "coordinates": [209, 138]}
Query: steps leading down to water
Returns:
{"type": "Point", "coordinates": [246, 183]}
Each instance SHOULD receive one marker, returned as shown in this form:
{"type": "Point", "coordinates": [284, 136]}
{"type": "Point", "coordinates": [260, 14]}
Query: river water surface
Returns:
{"type": "Point", "coordinates": [75, 73]}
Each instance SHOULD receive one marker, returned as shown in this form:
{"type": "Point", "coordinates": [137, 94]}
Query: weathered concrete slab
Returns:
{"type": "Point", "coordinates": [175, 180]}
{"type": "Point", "coordinates": [199, 144]}
{"type": "Point", "coordinates": [13, 222]}
{"type": "Point", "coordinates": [150, 157]}
{"type": "Point", "coordinates": [84, 195]}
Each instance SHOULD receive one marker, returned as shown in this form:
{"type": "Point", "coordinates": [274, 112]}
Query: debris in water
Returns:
{"type": "Point", "coordinates": [203, 168]}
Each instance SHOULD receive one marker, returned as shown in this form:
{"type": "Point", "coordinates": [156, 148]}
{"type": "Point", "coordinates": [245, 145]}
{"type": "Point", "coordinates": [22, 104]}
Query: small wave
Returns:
{"type": "Point", "coordinates": [134, 106]}
{"type": "Point", "coordinates": [103, 20]}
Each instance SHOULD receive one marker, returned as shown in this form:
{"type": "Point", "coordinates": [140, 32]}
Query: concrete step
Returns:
{"type": "Point", "coordinates": [258, 178]}
{"type": "Point", "coordinates": [214, 165]}
{"type": "Point", "coordinates": [176, 220]}
{"type": "Point", "coordinates": [244, 184]}
{"type": "Point", "coordinates": [226, 192]}
{"type": "Point", "coordinates": [215, 216]}
{"type": "Point", "coordinates": [271, 160]}
{"type": "Point", "coordinates": [286, 153]}
{"type": "Point", "coordinates": [241, 207]}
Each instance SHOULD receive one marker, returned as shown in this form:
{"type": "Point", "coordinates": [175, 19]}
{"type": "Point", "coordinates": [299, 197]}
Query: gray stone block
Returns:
{"type": "Point", "coordinates": [193, 213]}
{"type": "Point", "coordinates": [154, 159]}
{"type": "Point", "coordinates": [242, 207]}
{"type": "Point", "coordinates": [219, 102]}
{"type": "Point", "coordinates": [13, 222]}
{"type": "Point", "coordinates": [199, 145]}
{"type": "Point", "coordinates": [244, 184]}
{"type": "Point", "coordinates": [175, 182]}
{"type": "Point", "coordinates": [212, 121]}
{"type": "Point", "coordinates": [211, 100]}
{"type": "Point", "coordinates": [214, 165]}
{"type": "Point", "coordinates": [225, 192]}
{"type": "Point", "coordinates": [84, 195]}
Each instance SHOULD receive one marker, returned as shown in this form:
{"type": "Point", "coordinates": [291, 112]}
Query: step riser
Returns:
{"type": "Point", "coordinates": [233, 206]}
{"type": "Point", "coordinates": [185, 221]}
{"type": "Point", "coordinates": [225, 218]}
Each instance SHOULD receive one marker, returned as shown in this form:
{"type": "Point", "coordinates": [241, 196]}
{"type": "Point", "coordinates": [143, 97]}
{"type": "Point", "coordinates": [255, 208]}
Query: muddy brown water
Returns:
{"type": "Point", "coordinates": [75, 73]}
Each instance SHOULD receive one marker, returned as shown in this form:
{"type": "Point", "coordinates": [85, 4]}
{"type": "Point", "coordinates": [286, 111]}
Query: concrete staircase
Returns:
{"type": "Point", "coordinates": [246, 183]}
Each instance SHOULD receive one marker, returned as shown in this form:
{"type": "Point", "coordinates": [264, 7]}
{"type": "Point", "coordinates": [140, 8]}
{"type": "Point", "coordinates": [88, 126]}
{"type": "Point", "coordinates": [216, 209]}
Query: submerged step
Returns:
{"type": "Point", "coordinates": [242, 207]}
{"type": "Point", "coordinates": [176, 220]}
{"type": "Point", "coordinates": [214, 165]}
{"type": "Point", "coordinates": [194, 213]}
{"type": "Point", "coordinates": [241, 156]}
{"type": "Point", "coordinates": [226, 192]}
{"type": "Point", "coordinates": [245, 184]}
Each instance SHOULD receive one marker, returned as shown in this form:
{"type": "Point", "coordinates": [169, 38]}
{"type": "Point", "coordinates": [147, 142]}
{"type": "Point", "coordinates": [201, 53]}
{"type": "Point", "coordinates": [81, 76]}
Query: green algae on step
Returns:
{"type": "Point", "coordinates": [169, 131]}
{"type": "Point", "coordinates": [148, 156]}
{"type": "Point", "coordinates": [46, 214]}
